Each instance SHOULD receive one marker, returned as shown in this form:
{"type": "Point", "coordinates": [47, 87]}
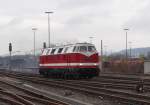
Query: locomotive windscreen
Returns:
{"type": "Point", "coordinates": [91, 48]}
{"type": "Point", "coordinates": [87, 48]}
{"type": "Point", "coordinates": [83, 48]}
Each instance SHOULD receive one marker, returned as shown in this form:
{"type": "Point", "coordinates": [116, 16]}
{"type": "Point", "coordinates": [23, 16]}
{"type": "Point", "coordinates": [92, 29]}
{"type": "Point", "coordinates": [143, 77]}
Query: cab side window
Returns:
{"type": "Point", "coordinates": [66, 49]}
{"type": "Point", "coordinates": [53, 51]}
{"type": "Point", "coordinates": [47, 53]}
{"type": "Point", "coordinates": [74, 49]}
{"type": "Point", "coordinates": [44, 52]}
{"type": "Point", "coordinates": [60, 50]}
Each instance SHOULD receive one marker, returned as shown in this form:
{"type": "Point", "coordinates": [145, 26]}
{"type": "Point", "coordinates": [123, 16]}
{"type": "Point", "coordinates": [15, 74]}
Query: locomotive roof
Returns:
{"type": "Point", "coordinates": [65, 49]}
{"type": "Point", "coordinates": [76, 44]}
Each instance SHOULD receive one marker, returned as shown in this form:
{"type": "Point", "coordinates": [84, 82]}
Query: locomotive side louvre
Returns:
{"type": "Point", "coordinates": [78, 60]}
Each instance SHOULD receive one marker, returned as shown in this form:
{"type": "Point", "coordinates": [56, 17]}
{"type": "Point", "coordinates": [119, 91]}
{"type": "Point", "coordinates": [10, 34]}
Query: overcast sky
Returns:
{"type": "Point", "coordinates": [74, 21]}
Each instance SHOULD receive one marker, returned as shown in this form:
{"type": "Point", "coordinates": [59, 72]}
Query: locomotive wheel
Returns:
{"type": "Point", "coordinates": [62, 75]}
{"type": "Point", "coordinates": [77, 76]}
{"type": "Point", "coordinates": [65, 75]}
{"type": "Point", "coordinates": [59, 75]}
{"type": "Point", "coordinates": [40, 72]}
{"type": "Point", "coordinates": [90, 76]}
{"type": "Point", "coordinates": [71, 75]}
{"type": "Point", "coordinates": [45, 74]}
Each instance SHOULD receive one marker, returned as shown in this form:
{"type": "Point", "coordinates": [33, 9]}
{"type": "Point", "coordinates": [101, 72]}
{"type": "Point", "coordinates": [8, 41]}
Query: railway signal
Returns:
{"type": "Point", "coordinates": [10, 47]}
{"type": "Point", "coordinates": [10, 50]}
{"type": "Point", "coordinates": [44, 45]}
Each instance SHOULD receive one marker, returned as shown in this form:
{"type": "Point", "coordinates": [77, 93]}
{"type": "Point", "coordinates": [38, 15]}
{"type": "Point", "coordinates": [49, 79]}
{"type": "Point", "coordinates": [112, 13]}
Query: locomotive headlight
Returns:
{"type": "Point", "coordinates": [80, 64]}
{"type": "Point", "coordinates": [95, 64]}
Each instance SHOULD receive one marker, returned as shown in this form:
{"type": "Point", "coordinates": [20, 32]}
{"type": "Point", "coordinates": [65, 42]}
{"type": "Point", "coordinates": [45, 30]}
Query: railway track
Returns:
{"type": "Point", "coordinates": [60, 100]}
{"type": "Point", "coordinates": [22, 96]}
{"type": "Point", "coordinates": [30, 96]}
{"type": "Point", "coordinates": [104, 81]}
{"type": "Point", "coordinates": [125, 76]}
{"type": "Point", "coordinates": [93, 88]}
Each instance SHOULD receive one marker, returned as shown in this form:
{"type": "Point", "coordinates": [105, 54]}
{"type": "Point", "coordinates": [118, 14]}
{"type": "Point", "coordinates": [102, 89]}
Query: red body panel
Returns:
{"type": "Point", "coordinates": [69, 58]}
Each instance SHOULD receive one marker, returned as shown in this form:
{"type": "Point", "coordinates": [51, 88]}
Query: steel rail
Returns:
{"type": "Point", "coordinates": [6, 100]}
{"type": "Point", "coordinates": [43, 101]}
{"type": "Point", "coordinates": [16, 97]}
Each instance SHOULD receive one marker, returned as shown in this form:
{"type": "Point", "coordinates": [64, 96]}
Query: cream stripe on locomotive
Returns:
{"type": "Point", "coordinates": [70, 64]}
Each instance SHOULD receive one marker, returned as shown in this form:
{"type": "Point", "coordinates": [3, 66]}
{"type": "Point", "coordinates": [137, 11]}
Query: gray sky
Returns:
{"type": "Point", "coordinates": [74, 21]}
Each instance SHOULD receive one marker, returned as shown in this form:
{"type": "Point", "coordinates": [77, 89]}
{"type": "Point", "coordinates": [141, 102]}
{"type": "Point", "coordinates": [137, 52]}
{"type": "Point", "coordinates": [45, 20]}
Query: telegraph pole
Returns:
{"type": "Point", "coordinates": [91, 39]}
{"type": "Point", "coordinates": [126, 29]}
{"type": "Point", "coordinates": [130, 44]}
{"type": "Point", "coordinates": [49, 12]}
{"type": "Point", "coordinates": [34, 30]}
{"type": "Point", "coordinates": [101, 55]}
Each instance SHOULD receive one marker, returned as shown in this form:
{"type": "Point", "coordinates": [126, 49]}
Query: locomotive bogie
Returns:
{"type": "Point", "coordinates": [74, 73]}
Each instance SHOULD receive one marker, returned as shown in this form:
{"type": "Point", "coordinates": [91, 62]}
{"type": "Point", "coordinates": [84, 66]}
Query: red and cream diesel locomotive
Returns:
{"type": "Point", "coordinates": [70, 61]}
